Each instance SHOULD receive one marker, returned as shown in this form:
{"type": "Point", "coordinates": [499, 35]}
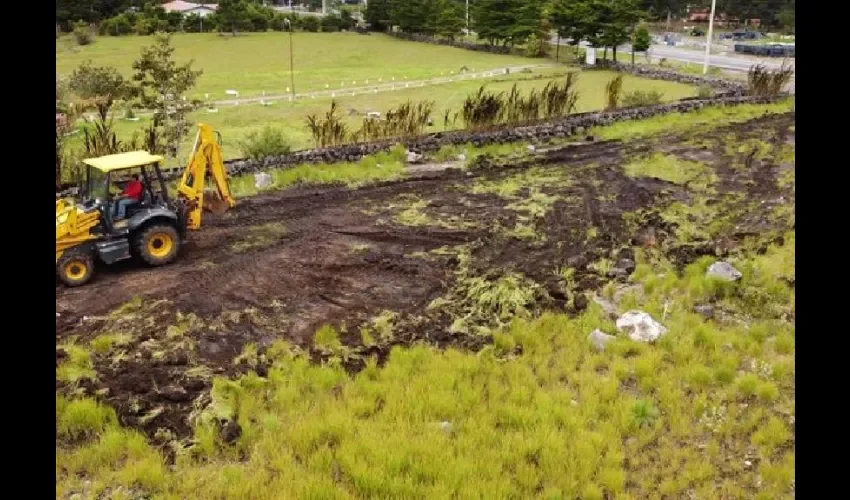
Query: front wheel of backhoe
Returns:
{"type": "Point", "coordinates": [157, 244]}
{"type": "Point", "coordinates": [75, 268]}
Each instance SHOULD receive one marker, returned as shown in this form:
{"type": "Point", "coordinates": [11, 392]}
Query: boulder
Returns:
{"type": "Point", "coordinates": [724, 271]}
{"type": "Point", "coordinates": [640, 326]}
{"type": "Point", "coordinates": [413, 157]}
{"type": "Point", "coordinates": [706, 310]}
{"type": "Point", "coordinates": [598, 339]}
{"type": "Point", "coordinates": [262, 180]}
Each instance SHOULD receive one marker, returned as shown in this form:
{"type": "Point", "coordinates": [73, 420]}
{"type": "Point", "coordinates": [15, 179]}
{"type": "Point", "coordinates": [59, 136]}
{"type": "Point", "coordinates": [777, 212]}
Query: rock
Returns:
{"type": "Point", "coordinates": [446, 426]}
{"type": "Point", "coordinates": [577, 261]}
{"type": "Point", "coordinates": [616, 272]}
{"type": "Point", "coordinates": [627, 265]}
{"type": "Point", "coordinates": [580, 302]}
{"type": "Point", "coordinates": [262, 180]}
{"type": "Point", "coordinates": [598, 339]}
{"type": "Point", "coordinates": [624, 290]}
{"type": "Point", "coordinates": [607, 306]}
{"type": "Point", "coordinates": [461, 157]}
{"type": "Point", "coordinates": [640, 326]}
{"type": "Point", "coordinates": [174, 393]}
{"type": "Point", "coordinates": [230, 432]}
{"type": "Point", "coordinates": [413, 157]}
{"type": "Point", "coordinates": [724, 271]}
{"type": "Point", "coordinates": [531, 148]}
{"type": "Point", "coordinates": [706, 310]}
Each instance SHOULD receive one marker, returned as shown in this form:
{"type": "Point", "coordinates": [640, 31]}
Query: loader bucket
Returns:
{"type": "Point", "coordinates": [214, 203]}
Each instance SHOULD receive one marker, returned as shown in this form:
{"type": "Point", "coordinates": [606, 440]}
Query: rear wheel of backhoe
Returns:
{"type": "Point", "coordinates": [157, 244]}
{"type": "Point", "coordinates": [75, 268]}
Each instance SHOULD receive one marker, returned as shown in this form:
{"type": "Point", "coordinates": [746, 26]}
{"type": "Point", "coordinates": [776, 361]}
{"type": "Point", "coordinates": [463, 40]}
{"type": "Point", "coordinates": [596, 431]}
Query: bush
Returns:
{"type": "Point", "coordinates": [310, 23]}
{"type": "Point", "coordinates": [331, 23]}
{"type": "Point", "coordinates": [705, 92]}
{"type": "Point", "coordinates": [82, 33]}
{"type": "Point", "coordinates": [117, 26]}
{"type": "Point", "coordinates": [278, 22]}
{"type": "Point", "coordinates": [269, 142]}
{"type": "Point", "coordinates": [640, 98]}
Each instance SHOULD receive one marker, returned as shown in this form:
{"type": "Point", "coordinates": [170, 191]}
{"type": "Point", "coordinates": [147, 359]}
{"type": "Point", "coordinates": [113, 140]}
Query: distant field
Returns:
{"type": "Point", "coordinates": [257, 62]}
{"type": "Point", "coordinates": [248, 63]}
{"type": "Point", "coordinates": [236, 122]}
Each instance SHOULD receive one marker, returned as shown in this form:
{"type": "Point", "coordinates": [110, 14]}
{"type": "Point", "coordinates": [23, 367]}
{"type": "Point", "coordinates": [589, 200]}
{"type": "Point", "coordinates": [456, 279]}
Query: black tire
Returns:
{"type": "Point", "coordinates": [75, 268]}
{"type": "Point", "coordinates": [157, 244]}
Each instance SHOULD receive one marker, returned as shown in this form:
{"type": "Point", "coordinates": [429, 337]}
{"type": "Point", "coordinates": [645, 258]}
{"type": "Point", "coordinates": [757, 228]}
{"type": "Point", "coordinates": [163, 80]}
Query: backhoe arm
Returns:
{"type": "Point", "coordinates": [206, 158]}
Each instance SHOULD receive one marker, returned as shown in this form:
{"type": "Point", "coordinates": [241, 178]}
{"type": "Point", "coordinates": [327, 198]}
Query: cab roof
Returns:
{"type": "Point", "coordinates": [122, 161]}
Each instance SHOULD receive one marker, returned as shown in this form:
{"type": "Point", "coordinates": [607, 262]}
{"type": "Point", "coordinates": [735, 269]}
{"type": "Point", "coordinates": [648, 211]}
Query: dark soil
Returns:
{"type": "Point", "coordinates": [280, 266]}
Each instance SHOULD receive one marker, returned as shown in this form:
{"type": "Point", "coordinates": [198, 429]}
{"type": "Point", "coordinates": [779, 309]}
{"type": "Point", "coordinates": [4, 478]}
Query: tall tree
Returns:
{"type": "Point", "coordinates": [378, 14]}
{"type": "Point", "coordinates": [161, 85]}
{"type": "Point", "coordinates": [451, 19]}
{"type": "Point", "coordinates": [495, 20]}
{"type": "Point", "coordinates": [232, 14]}
{"type": "Point", "coordinates": [618, 19]}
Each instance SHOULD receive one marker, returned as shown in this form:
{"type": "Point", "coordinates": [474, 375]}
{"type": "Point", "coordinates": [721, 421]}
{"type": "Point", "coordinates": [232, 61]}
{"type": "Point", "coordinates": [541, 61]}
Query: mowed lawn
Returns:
{"type": "Point", "coordinates": [255, 62]}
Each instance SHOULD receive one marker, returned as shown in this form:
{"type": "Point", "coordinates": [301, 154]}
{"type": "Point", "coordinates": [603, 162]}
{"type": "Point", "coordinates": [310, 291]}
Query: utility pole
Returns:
{"type": "Point", "coordinates": [467, 17]}
{"type": "Point", "coordinates": [708, 38]}
{"type": "Point", "coordinates": [291, 59]}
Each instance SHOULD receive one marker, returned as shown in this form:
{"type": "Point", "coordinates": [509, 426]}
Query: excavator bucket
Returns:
{"type": "Point", "coordinates": [213, 203]}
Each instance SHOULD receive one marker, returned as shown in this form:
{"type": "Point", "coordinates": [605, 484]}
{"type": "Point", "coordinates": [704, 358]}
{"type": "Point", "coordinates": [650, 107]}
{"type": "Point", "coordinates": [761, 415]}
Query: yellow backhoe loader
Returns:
{"type": "Point", "coordinates": [154, 228]}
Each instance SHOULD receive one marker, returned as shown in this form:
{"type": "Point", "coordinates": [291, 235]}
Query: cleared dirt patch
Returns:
{"type": "Point", "coordinates": [525, 237]}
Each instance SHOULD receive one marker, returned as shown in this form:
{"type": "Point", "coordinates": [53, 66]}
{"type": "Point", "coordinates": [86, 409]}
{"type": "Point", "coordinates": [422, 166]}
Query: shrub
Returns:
{"type": "Point", "coordinates": [641, 98]}
{"type": "Point", "coordinates": [331, 23]}
{"type": "Point", "coordinates": [613, 89]}
{"type": "Point", "coordinates": [310, 23]}
{"type": "Point", "coordinates": [705, 92]}
{"type": "Point", "coordinates": [268, 142]}
{"type": "Point", "coordinates": [82, 33]}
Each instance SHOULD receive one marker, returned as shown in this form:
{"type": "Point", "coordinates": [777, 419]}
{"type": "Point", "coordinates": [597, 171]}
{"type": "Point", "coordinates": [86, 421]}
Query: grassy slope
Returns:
{"type": "Point", "coordinates": [553, 421]}
{"type": "Point", "coordinates": [254, 62]}
{"type": "Point", "coordinates": [339, 55]}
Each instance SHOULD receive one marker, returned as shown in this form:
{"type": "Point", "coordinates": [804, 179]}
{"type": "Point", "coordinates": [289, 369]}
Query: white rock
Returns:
{"type": "Point", "coordinates": [262, 180]}
{"type": "Point", "coordinates": [446, 426]}
{"type": "Point", "coordinates": [599, 338]}
{"type": "Point", "coordinates": [413, 157]}
{"type": "Point", "coordinates": [640, 326]}
{"type": "Point", "coordinates": [461, 157]}
{"type": "Point", "coordinates": [723, 270]}
{"type": "Point", "coordinates": [531, 148]}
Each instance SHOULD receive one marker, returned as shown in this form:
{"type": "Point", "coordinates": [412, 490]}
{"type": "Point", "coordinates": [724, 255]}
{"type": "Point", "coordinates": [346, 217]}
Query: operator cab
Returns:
{"type": "Point", "coordinates": [107, 175]}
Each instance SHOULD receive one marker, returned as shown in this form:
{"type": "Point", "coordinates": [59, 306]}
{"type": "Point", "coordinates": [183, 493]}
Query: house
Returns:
{"type": "Point", "coordinates": [189, 8]}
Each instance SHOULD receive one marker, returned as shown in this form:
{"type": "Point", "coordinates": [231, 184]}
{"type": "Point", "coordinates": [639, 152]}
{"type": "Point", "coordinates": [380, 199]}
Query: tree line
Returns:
{"type": "Point", "coordinates": [69, 12]}
{"type": "Point", "coordinates": [512, 22]}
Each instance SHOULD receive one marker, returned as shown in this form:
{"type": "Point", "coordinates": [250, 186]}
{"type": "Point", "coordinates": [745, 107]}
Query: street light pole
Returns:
{"type": "Point", "coordinates": [291, 59]}
{"type": "Point", "coordinates": [467, 17]}
{"type": "Point", "coordinates": [708, 39]}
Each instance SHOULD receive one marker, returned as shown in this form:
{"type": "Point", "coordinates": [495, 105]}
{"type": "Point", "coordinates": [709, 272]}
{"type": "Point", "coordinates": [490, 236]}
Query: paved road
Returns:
{"type": "Point", "coordinates": [726, 62]}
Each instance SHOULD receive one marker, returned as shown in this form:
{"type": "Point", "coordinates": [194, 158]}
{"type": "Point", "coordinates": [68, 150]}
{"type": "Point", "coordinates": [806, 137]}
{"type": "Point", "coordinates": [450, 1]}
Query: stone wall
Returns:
{"type": "Point", "coordinates": [573, 125]}
{"type": "Point", "coordinates": [727, 87]}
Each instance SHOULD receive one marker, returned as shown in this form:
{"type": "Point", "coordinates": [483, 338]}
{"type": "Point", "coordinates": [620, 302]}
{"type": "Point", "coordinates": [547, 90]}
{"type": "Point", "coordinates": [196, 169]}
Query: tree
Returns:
{"type": "Point", "coordinates": [378, 14]}
{"type": "Point", "coordinates": [160, 85]}
{"type": "Point", "coordinates": [641, 41]}
{"type": "Point", "coordinates": [451, 19]}
{"type": "Point", "coordinates": [232, 13]}
{"type": "Point", "coordinates": [98, 86]}
{"type": "Point", "coordinates": [495, 20]}
{"type": "Point", "coordinates": [617, 18]}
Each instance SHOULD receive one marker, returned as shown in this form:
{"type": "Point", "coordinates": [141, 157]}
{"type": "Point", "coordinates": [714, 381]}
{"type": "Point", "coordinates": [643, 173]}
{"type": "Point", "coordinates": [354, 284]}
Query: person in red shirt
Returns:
{"type": "Point", "coordinates": [131, 195]}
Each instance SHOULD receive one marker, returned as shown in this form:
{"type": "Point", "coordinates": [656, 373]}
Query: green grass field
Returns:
{"type": "Point", "coordinates": [240, 63]}
{"type": "Point", "coordinates": [255, 62]}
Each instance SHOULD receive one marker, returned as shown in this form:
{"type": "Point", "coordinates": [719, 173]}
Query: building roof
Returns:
{"type": "Point", "coordinates": [181, 6]}
{"type": "Point", "coordinates": [123, 161]}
